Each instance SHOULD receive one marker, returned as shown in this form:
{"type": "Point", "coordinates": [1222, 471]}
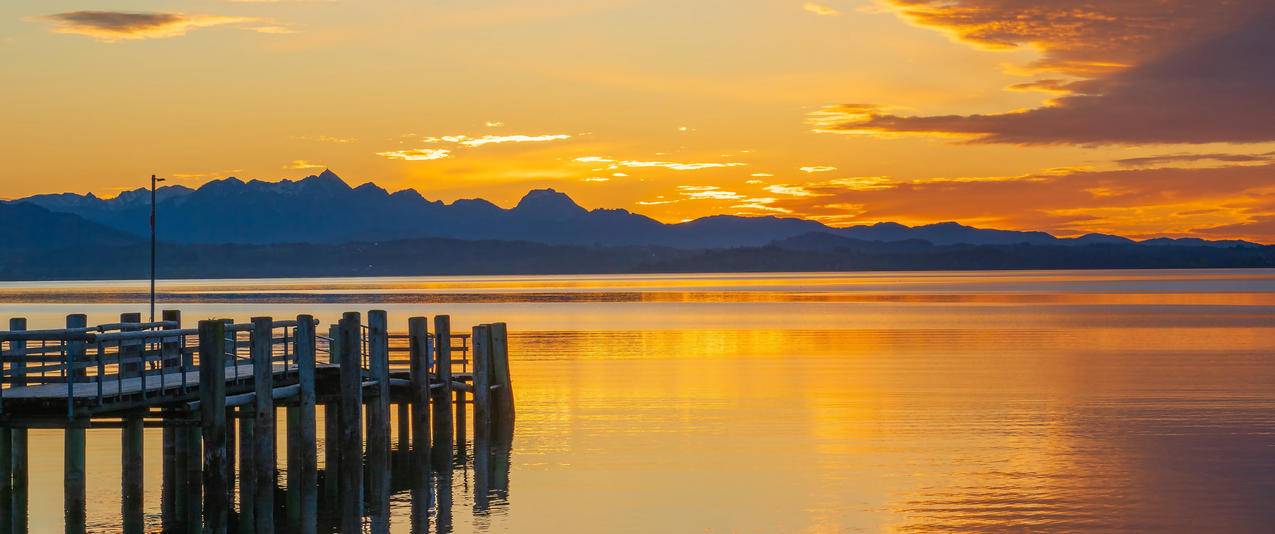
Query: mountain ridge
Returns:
{"type": "Point", "coordinates": [324, 208]}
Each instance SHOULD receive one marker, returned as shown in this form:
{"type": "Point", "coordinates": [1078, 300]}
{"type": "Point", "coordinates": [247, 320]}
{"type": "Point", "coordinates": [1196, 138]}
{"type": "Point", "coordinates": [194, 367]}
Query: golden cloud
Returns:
{"type": "Point", "coordinates": [112, 26]}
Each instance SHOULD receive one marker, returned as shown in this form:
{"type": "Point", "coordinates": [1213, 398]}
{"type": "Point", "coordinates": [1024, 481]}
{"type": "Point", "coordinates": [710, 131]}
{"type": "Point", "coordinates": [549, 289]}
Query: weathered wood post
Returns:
{"type": "Point", "coordinates": [170, 348]}
{"type": "Point", "coordinates": [263, 423]}
{"type": "Point", "coordinates": [76, 492]}
{"type": "Point", "coordinates": [167, 510]}
{"type": "Point", "coordinates": [75, 350]}
{"type": "Point", "coordinates": [503, 395]}
{"type": "Point", "coordinates": [212, 405]}
{"type": "Point", "coordinates": [332, 428]}
{"type": "Point", "coordinates": [306, 446]}
{"type": "Point", "coordinates": [73, 478]}
{"type": "Point", "coordinates": [481, 358]}
{"type": "Point", "coordinates": [132, 476]}
{"type": "Point", "coordinates": [247, 470]}
{"type": "Point", "coordinates": [418, 364]}
{"type": "Point", "coordinates": [351, 479]}
{"type": "Point", "coordinates": [442, 442]}
{"type": "Point", "coordinates": [18, 437]}
{"type": "Point", "coordinates": [482, 380]}
{"type": "Point", "coordinates": [180, 453]}
{"type": "Point", "coordinates": [378, 419]}
{"type": "Point", "coordinates": [130, 349]}
{"type": "Point", "coordinates": [378, 411]}
{"type": "Point", "coordinates": [194, 461]}
{"type": "Point", "coordinates": [6, 479]}
{"type": "Point", "coordinates": [404, 417]}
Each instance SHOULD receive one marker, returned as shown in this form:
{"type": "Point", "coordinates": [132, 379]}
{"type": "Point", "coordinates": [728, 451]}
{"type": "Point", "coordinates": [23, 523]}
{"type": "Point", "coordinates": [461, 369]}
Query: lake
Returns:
{"type": "Point", "coordinates": [810, 402]}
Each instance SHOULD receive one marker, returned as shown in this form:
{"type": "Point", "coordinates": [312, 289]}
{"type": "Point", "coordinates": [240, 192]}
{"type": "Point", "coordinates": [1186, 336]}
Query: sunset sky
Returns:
{"type": "Point", "coordinates": [1139, 117]}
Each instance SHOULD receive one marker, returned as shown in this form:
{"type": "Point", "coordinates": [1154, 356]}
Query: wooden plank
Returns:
{"type": "Point", "coordinates": [212, 399]}
{"type": "Point", "coordinates": [351, 479]}
{"type": "Point", "coordinates": [263, 453]}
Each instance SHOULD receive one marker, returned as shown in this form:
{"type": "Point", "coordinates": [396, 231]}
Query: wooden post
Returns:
{"type": "Point", "coordinates": [247, 474]}
{"type": "Point", "coordinates": [132, 475]}
{"type": "Point", "coordinates": [168, 517]}
{"type": "Point", "coordinates": [306, 447]}
{"type": "Point", "coordinates": [194, 461]}
{"type": "Point", "coordinates": [418, 363]}
{"type": "Point", "coordinates": [292, 492]}
{"type": "Point", "coordinates": [378, 411]}
{"type": "Point", "coordinates": [180, 453]}
{"type": "Point", "coordinates": [378, 419]}
{"type": "Point", "coordinates": [503, 396]}
{"type": "Point", "coordinates": [332, 428]}
{"type": "Point", "coordinates": [263, 427]}
{"type": "Point", "coordinates": [170, 349]}
{"type": "Point", "coordinates": [18, 436]}
{"type": "Point", "coordinates": [404, 427]}
{"type": "Point", "coordinates": [482, 381]}
{"type": "Point", "coordinates": [73, 478]}
{"type": "Point", "coordinates": [232, 444]}
{"type": "Point", "coordinates": [351, 479]}
{"type": "Point", "coordinates": [442, 442]}
{"type": "Point", "coordinates": [6, 480]}
{"type": "Point", "coordinates": [130, 349]}
{"type": "Point", "coordinates": [212, 405]}
{"type": "Point", "coordinates": [75, 349]}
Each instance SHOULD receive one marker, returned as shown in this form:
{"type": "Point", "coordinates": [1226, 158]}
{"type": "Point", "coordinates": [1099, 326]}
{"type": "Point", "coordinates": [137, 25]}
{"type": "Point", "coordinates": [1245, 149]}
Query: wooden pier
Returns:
{"type": "Point", "coordinates": [224, 381]}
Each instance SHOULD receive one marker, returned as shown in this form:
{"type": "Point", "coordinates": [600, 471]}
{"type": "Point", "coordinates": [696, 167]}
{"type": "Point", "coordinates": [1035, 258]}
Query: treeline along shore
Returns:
{"type": "Point", "coordinates": [811, 252]}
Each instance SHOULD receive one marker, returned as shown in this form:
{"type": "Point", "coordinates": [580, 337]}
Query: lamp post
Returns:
{"type": "Point", "coordinates": [154, 181]}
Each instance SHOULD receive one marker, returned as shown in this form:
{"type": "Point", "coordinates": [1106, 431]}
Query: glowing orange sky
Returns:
{"type": "Point", "coordinates": [1137, 117]}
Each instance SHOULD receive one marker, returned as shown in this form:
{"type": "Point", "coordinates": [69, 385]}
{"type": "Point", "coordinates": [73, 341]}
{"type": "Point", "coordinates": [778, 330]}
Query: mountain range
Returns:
{"type": "Point", "coordinates": [324, 209]}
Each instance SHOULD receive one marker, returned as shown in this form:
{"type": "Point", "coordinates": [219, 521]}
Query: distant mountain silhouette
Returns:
{"type": "Point", "coordinates": [324, 209]}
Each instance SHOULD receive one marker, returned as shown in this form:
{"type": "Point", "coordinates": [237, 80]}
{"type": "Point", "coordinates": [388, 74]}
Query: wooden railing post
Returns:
{"type": "Point", "coordinates": [351, 478]}
{"type": "Point", "coordinates": [131, 349]}
{"type": "Point", "coordinates": [170, 348]}
{"type": "Point", "coordinates": [212, 405]}
{"type": "Point", "coordinates": [263, 453]}
{"type": "Point", "coordinates": [75, 350]}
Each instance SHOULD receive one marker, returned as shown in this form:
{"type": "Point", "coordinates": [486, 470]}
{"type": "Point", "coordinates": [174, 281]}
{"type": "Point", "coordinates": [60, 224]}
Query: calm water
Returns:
{"type": "Point", "coordinates": [1060, 401]}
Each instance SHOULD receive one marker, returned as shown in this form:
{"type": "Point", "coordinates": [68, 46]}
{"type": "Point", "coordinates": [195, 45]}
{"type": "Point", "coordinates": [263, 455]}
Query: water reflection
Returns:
{"type": "Point", "coordinates": [1097, 401]}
